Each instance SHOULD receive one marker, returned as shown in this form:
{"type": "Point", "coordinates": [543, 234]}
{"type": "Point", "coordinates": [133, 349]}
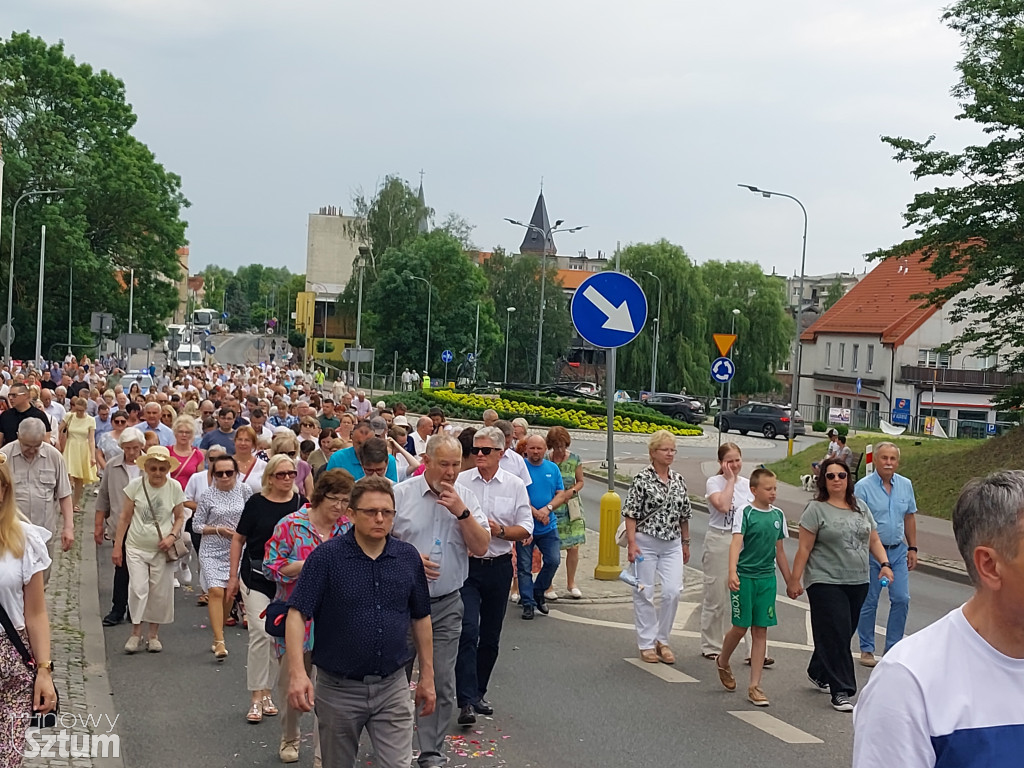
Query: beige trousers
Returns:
{"type": "Point", "coordinates": [150, 587]}
{"type": "Point", "coordinates": [261, 663]}
{"type": "Point", "coordinates": [290, 716]}
{"type": "Point", "coordinates": [716, 609]}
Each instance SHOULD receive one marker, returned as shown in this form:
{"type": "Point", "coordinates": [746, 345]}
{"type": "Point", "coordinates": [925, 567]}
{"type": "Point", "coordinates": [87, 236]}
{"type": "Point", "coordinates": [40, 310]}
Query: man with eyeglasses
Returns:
{"type": "Point", "coordinates": [41, 484]}
{"type": "Point", "coordinates": [351, 459]}
{"type": "Point", "coordinates": [890, 497]}
{"type": "Point", "coordinates": [511, 461]}
{"type": "Point", "coordinates": [20, 410]}
{"type": "Point", "coordinates": [224, 435]}
{"type": "Point", "coordinates": [366, 591]}
{"type": "Point", "coordinates": [506, 504]}
{"type": "Point", "coordinates": [439, 513]}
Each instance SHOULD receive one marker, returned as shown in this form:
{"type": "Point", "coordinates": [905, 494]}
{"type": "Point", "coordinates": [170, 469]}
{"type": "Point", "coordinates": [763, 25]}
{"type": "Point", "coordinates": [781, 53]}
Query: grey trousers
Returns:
{"type": "Point", "coordinates": [446, 622]}
{"type": "Point", "coordinates": [345, 707]}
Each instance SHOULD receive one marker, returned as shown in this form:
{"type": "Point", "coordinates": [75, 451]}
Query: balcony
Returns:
{"type": "Point", "coordinates": [958, 378]}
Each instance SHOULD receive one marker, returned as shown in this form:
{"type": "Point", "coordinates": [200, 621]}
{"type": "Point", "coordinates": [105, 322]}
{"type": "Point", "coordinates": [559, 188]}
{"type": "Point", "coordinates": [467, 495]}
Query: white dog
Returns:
{"type": "Point", "coordinates": [808, 483]}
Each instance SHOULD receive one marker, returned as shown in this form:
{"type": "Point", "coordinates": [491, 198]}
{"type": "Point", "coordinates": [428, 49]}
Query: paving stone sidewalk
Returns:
{"type": "Point", "coordinates": [77, 649]}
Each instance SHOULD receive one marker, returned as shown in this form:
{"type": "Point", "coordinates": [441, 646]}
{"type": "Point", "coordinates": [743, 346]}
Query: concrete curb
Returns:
{"type": "Point", "coordinates": [932, 566]}
{"type": "Point", "coordinates": [99, 696]}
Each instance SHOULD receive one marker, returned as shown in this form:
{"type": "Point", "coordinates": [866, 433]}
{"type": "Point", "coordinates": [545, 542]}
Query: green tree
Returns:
{"type": "Point", "coordinates": [215, 282]}
{"type": "Point", "coordinates": [764, 329]}
{"type": "Point", "coordinates": [836, 291]}
{"type": "Point", "coordinates": [514, 281]}
{"type": "Point", "coordinates": [459, 227]}
{"type": "Point", "coordinates": [683, 354]}
{"type": "Point", "coordinates": [395, 305]}
{"type": "Point", "coordinates": [975, 230]}
{"type": "Point", "coordinates": [67, 126]}
{"type": "Point", "coordinates": [389, 219]}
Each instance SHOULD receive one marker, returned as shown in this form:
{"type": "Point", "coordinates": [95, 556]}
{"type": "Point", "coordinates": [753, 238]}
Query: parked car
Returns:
{"type": "Point", "coordinates": [681, 407]}
{"type": "Point", "coordinates": [769, 419]}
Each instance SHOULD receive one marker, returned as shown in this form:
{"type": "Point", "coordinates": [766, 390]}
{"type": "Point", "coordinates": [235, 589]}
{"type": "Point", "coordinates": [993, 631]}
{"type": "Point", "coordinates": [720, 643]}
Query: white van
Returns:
{"type": "Point", "coordinates": [186, 356]}
{"type": "Point", "coordinates": [174, 331]}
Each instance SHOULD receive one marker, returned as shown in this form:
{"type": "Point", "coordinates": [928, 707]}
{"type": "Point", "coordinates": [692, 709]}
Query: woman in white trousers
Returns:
{"type": "Point", "coordinates": [657, 514]}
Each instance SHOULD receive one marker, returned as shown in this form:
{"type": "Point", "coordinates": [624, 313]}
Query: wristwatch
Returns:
{"type": "Point", "coordinates": [464, 515]}
{"type": "Point", "coordinates": [886, 565]}
{"type": "Point", "coordinates": [45, 665]}
{"type": "Point", "coordinates": [550, 508]}
{"type": "Point", "coordinates": [501, 533]}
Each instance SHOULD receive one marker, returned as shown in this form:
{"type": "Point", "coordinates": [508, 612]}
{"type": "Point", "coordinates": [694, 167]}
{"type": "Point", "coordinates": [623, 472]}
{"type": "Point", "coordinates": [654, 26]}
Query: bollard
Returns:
{"type": "Point", "coordinates": [608, 568]}
{"type": "Point", "coordinates": [869, 454]}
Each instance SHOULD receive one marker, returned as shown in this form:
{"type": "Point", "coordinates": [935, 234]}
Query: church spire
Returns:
{"type": "Point", "coordinates": [534, 242]}
{"type": "Point", "coordinates": [423, 225]}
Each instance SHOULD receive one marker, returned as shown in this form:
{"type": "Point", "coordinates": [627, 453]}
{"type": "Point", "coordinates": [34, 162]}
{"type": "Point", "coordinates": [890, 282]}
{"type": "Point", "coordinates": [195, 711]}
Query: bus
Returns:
{"type": "Point", "coordinates": [206, 319]}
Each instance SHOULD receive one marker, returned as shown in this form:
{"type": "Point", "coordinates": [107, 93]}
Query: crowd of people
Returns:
{"type": "Point", "coordinates": [361, 548]}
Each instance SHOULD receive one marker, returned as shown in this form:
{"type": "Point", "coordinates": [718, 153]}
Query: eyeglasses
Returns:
{"type": "Point", "coordinates": [286, 475]}
{"type": "Point", "coordinates": [385, 513]}
{"type": "Point", "coordinates": [486, 451]}
{"type": "Point", "coordinates": [224, 473]}
{"type": "Point", "coordinates": [834, 475]}
{"type": "Point", "coordinates": [375, 470]}
{"type": "Point", "coordinates": [159, 468]}
{"type": "Point", "coordinates": [337, 499]}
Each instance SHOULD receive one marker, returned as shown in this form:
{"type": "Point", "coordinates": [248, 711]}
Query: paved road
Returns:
{"type": "Point", "coordinates": [566, 689]}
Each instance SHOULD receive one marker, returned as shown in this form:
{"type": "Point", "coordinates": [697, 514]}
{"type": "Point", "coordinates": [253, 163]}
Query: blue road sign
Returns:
{"type": "Point", "coordinates": [447, 356]}
{"type": "Point", "coordinates": [206, 331]}
{"type": "Point", "coordinates": [471, 357]}
{"type": "Point", "coordinates": [859, 383]}
{"type": "Point", "coordinates": [990, 429]}
{"type": "Point", "coordinates": [901, 411]}
{"type": "Point", "coordinates": [609, 309]}
{"type": "Point", "coordinates": [223, 315]}
{"type": "Point", "coordinates": [211, 349]}
{"type": "Point", "coordinates": [722, 370]}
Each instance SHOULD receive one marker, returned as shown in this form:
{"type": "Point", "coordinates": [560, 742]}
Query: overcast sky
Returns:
{"type": "Point", "coordinates": [641, 117]}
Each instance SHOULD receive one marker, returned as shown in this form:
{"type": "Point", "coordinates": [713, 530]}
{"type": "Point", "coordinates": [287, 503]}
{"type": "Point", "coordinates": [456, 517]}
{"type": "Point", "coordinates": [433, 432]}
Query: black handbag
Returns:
{"type": "Point", "coordinates": [38, 720]}
{"type": "Point", "coordinates": [274, 616]}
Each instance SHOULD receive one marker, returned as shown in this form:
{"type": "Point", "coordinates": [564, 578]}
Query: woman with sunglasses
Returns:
{"type": "Point", "coordinates": [318, 459]}
{"type": "Point", "coordinates": [110, 443]}
{"type": "Point", "coordinates": [309, 429]}
{"type": "Point", "coordinates": [295, 537]}
{"type": "Point", "coordinates": [288, 445]}
{"type": "Point", "coordinates": [836, 533]}
{"type": "Point", "coordinates": [277, 499]}
{"type": "Point", "coordinates": [215, 518]}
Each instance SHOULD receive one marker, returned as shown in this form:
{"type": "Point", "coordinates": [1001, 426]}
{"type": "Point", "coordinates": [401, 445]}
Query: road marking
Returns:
{"type": "Point", "coordinates": [662, 671]}
{"type": "Point", "coordinates": [780, 729]}
{"type": "Point", "coordinates": [561, 615]}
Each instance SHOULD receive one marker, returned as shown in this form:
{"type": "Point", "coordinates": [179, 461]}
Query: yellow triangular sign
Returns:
{"type": "Point", "coordinates": [724, 342]}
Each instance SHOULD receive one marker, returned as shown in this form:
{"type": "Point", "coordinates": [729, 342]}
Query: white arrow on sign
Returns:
{"type": "Point", "coordinates": [618, 317]}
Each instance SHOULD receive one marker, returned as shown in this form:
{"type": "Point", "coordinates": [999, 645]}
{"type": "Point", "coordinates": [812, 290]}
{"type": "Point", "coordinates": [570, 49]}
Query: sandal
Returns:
{"type": "Point", "coordinates": [219, 650]}
{"type": "Point", "coordinates": [269, 707]}
{"type": "Point", "coordinates": [203, 600]}
{"type": "Point", "coordinates": [710, 656]}
{"type": "Point", "coordinates": [255, 714]}
{"type": "Point", "coordinates": [768, 661]}
{"type": "Point", "coordinates": [230, 621]}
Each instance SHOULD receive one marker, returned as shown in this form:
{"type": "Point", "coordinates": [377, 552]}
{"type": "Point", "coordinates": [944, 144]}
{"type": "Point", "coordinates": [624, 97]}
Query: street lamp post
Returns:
{"type": "Point", "coordinates": [732, 330]}
{"type": "Point", "coordinates": [543, 269]}
{"type": "Point", "coordinates": [364, 253]}
{"type": "Point", "coordinates": [508, 323]}
{"type": "Point", "coordinates": [657, 338]}
{"type": "Point", "coordinates": [430, 295]}
{"type": "Point", "coordinates": [10, 272]}
{"type": "Point", "coordinates": [798, 352]}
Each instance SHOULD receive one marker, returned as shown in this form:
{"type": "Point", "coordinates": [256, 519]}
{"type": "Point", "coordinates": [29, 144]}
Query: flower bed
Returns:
{"type": "Point", "coordinates": [538, 411]}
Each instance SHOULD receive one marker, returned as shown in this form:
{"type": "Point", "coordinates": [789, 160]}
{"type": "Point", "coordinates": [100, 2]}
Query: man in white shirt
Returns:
{"type": "Point", "coordinates": [424, 429]}
{"type": "Point", "coordinates": [951, 695]}
{"type": "Point", "coordinates": [54, 410]}
{"type": "Point", "coordinates": [504, 500]}
{"type": "Point", "coordinates": [437, 513]}
{"type": "Point", "coordinates": [511, 461]}
{"type": "Point", "coordinates": [362, 405]}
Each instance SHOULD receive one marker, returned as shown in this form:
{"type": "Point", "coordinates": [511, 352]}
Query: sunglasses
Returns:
{"type": "Point", "coordinates": [224, 473]}
{"type": "Point", "coordinates": [834, 475]}
{"type": "Point", "coordinates": [486, 451]}
{"type": "Point", "coordinates": [120, 421]}
{"type": "Point", "coordinates": [286, 474]}
{"type": "Point", "coordinates": [288, 453]}
{"type": "Point", "coordinates": [385, 513]}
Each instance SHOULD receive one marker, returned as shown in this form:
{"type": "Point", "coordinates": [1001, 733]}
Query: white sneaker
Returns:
{"type": "Point", "coordinates": [176, 583]}
{"type": "Point", "coordinates": [551, 595]}
{"type": "Point", "coordinates": [185, 574]}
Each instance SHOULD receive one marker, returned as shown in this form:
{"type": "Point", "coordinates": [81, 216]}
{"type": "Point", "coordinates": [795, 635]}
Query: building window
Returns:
{"type": "Point", "coordinates": [853, 358]}
{"type": "Point", "coordinates": [828, 354]}
{"type": "Point", "coordinates": [871, 357]}
{"type": "Point", "coordinates": [931, 358]}
{"type": "Point", "coordinates": [842, 355]}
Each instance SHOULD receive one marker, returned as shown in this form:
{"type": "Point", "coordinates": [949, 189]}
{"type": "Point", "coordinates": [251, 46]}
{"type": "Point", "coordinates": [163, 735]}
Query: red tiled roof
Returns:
{"type": "Point", "coordinates": [880, 304]}
{"type": "Point", "coordinates": [572, 278]}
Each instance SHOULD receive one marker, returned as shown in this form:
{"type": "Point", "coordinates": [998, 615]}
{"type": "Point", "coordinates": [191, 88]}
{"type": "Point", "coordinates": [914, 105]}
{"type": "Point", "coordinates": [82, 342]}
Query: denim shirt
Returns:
{"type": "Point", "coordinates": [888, 509]}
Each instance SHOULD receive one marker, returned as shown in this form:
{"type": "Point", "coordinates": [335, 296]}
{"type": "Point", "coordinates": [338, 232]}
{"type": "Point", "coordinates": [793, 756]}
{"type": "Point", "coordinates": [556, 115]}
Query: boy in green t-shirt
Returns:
{"type": "Point", "coordinates": [756, 546]}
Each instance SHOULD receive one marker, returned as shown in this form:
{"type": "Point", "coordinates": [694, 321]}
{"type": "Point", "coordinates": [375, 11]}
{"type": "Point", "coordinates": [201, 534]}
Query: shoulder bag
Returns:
{"type": "Point", "coordinates": [620, 532]}
{"type": "Point", "coordinates": [38, 720]}
{"type": "Point", "coordinates": [178, 548]}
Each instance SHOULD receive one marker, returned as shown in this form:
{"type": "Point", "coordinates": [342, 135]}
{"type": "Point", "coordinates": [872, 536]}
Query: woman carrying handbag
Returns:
{"type": "Point", "coordinates": [23, 690]}
{"type": "Point", "coordinates": [150, 529]}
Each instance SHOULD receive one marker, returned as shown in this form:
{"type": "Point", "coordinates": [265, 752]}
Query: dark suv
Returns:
{"type": "Point", "coordinates": [681, 407]}
{"type": "Point", "coordinates": [767, 418]}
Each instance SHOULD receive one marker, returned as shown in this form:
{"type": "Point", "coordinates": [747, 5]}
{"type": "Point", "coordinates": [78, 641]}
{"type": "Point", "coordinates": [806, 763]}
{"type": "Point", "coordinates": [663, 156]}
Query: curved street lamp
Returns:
{"type": "Point", "coordinates": [657, 337]}
{"type": "Point", "coordinates": [543, 268]}
{"type": "Point", "coordinates": [798, 352]}
{"type": "Point", "coordinates": [508, 323]}
{"type": "Point", "coordinates": [430, 294]}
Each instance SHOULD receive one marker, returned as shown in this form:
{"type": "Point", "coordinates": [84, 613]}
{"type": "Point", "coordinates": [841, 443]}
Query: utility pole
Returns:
{"type": "Point", "coordinates": [39, 299]}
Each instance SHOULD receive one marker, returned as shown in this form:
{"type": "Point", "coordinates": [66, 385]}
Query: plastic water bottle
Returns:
{"type": "Point", "coordinates": [631, 578]}
{"type": "Point", "coordinates": [885, 582]}
{"type": "Point", "coordinates": [436, 553]}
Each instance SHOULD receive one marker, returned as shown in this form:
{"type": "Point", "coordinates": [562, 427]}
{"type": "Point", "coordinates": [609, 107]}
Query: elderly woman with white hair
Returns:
{"type": "Point", "coordinates": [152, 518]}
{"type": "Point", "coordinates": [657, 514]}
{"type": "Point", "coordinates": [120, 470]}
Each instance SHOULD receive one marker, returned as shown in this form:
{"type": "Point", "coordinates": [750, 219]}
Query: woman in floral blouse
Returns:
{"type": "Point", "coordinates": [657, 513]}
{"type": "Point", "coordinates": [294, 538]}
